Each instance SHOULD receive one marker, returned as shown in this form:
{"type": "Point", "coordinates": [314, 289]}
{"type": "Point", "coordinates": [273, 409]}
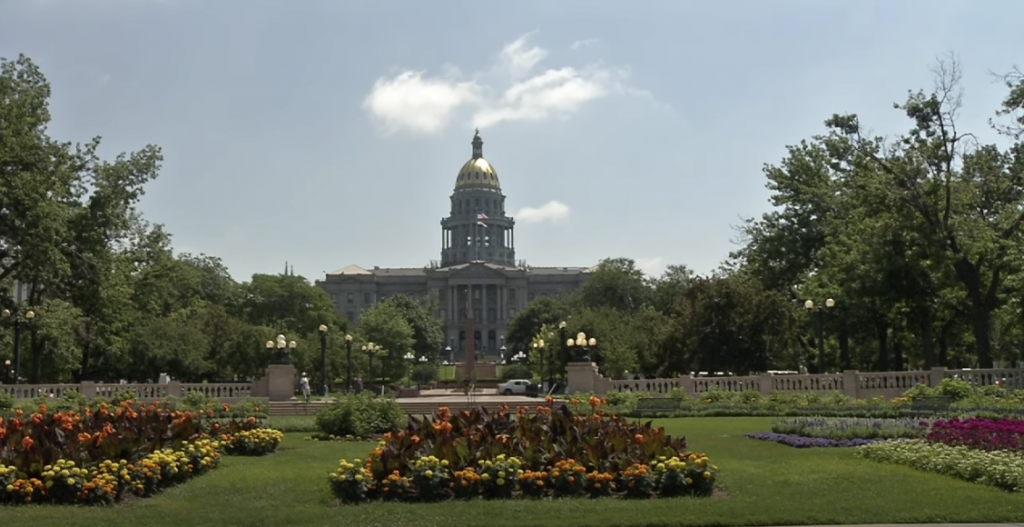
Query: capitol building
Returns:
{"type": "Point", "coordinates": [478, 269]}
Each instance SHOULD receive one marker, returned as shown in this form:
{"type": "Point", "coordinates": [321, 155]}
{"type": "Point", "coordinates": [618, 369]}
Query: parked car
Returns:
{"type": "Point", "coordinates": [519, 387]}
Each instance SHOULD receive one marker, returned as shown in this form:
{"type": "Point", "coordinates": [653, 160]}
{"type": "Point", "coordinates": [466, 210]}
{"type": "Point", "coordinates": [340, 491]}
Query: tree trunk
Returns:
{"type": "Point", "coordinates": [928, 345]}
{"type": "Point", "coordinates": [981, 323]}
{"type": "Point", "coordinates": [944, 344]}
{"type": "Point", "coordinates": [897, 353]}
{"type": "Point", "coordinates": [844, 343]}
{"type": "Point", "coordinates": [883, 346]}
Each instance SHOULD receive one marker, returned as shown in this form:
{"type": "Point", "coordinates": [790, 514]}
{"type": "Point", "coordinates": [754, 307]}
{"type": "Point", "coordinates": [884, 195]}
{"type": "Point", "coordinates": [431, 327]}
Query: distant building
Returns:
{"type": "Point", "coordinates": [477, 268]}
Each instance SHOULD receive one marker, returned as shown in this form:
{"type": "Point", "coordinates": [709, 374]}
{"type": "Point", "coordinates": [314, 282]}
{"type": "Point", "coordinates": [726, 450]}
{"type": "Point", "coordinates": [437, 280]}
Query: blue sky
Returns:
{"type": "Point", "coordinates": [329, 133]}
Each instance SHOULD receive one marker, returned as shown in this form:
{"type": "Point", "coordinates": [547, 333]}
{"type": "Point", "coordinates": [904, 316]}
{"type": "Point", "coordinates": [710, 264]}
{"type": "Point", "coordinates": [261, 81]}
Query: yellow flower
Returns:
{"type": "Point", "coordinates": [707, 475]}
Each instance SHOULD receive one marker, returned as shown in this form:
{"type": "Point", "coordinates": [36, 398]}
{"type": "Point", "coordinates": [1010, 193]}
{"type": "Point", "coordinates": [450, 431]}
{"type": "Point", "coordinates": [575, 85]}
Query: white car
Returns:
{"type": "Point", "coordinates": [517, 387]}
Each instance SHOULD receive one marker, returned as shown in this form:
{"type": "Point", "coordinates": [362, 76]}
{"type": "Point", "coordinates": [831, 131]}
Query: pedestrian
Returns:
{"type": "Point", "coordinates": [359, 384]}
{"type": "Point", "coordinates": [304, 383]}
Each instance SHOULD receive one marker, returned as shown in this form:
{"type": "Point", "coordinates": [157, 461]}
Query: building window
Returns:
{"type": "Point", "coordinates": [441, 314]}
{"type": "Point", "coordinates": [476, 294]}
{"type": "Point", "coordinates": [351, 297]}
{"type": "Point", "coordinates": [491, 314]}
{"type": "Point", "coordinates": [512, 313]}
{"type": "Point", "coordinates": [530, 297]}
{"type": "Point", "coordinates": [511, 294]}
{"type": "Point", "coordinates": [476, 313]}
{"type": "Point", "coordinates": [351, 316]}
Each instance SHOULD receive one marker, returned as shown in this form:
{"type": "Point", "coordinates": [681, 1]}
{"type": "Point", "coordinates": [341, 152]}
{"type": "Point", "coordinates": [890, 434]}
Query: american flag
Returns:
{"type": "Point", "coordinates": [480, 217]}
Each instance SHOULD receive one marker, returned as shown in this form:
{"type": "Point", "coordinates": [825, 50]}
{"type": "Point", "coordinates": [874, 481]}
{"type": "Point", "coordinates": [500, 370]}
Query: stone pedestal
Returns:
{"type": "Point", "coordinates": [278, 384]}
{"type": "Point", "coordinates": [581, 376]}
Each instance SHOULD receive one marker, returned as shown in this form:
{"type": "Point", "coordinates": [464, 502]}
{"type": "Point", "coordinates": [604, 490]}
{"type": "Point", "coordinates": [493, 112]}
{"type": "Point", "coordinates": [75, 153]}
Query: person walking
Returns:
{"type": "Point", "coordinates": [359, 384]}
{"type": "Point", "coordinates": [304, 383]}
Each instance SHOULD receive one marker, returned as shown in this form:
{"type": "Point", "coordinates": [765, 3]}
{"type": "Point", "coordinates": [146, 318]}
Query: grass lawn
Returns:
{"type": "Point", "coordinates": [766, 484]}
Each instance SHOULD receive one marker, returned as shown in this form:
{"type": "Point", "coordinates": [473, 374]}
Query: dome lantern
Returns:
{"type": "Point", "coordinates": [478, 173]}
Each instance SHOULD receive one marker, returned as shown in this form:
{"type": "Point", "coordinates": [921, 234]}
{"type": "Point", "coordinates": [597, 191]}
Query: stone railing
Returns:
{"type": "Point", "coordinates": [277, 385]}
{"type": "Point", "coordinates": [584, 377]}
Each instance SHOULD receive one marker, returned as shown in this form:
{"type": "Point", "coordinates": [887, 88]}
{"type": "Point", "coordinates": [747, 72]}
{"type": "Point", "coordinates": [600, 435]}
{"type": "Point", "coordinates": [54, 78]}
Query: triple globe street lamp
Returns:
{"type": "Point", "coordinates": [282, 346]}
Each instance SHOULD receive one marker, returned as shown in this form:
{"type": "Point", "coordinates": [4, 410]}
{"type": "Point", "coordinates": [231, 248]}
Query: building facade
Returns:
{"type": "Point", "coordinates": [477, 276]}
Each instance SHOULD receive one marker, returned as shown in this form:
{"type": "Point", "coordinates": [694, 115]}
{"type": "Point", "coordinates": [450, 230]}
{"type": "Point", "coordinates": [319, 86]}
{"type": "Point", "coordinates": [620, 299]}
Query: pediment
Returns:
{"type": "Point", "coordinates": [478, 270]}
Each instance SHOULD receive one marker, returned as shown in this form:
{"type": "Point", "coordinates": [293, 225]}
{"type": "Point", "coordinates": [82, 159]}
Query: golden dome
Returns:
{"type": "Point", "coordinates": [477, 172]}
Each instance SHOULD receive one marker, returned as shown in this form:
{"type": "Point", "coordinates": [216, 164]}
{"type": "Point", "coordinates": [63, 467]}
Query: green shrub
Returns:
{"type": "Point", "coordinates": [424, 374]}
{"type": "Point", "coordinates": [6, 401]}
{"type": "Point", "coordinates": [955, 389]}
{"type": "Point", "coordinates": [360, 415]}
{"type": "Point", "coordinates": [516, 371]}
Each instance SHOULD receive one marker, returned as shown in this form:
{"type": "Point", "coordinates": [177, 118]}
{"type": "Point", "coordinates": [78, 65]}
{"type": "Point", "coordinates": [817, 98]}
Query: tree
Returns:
{"type": "Point", "coordinates": [966, 198]}
{"type": "Point", "coordinates": [287, 302]}
{"type": "Point", "coordinates": [616, 283]}
{"type": "Point", "coordinates": [385, 325]}
{"type": "Point", "coordinates": [527, 323]}
{"type": "Point", "coordinates": [428, 333]}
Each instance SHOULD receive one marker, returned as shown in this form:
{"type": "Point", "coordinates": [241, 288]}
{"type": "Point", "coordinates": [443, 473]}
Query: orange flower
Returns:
{"type": "Point", "coordinates": [549, 399]}
{"type": "Point", "coordinates": [27, 443]}
{"type": "Point", "coordinates": [594, 402]}
{"type": "Point", "coordinates": [43, 408]}
{"type": "Point", "coordinates": [639, 438]}
{"type": "Point", "coordinates": [84, 437]}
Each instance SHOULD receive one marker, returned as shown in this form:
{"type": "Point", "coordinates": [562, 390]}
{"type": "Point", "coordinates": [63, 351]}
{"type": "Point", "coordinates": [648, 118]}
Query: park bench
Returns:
{"type": "Point", "coordinates": [656, 405]}
{"type": "Point", "coordinates": [929, 406]}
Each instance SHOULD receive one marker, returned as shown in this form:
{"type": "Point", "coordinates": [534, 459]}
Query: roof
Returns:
{"type": "Point", "coordinates": [351, 270]}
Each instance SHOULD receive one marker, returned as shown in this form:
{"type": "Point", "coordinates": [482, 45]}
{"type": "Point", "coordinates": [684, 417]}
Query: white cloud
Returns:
{"type": "Point", "coordinates": [409, 101]}
{"type": "Point", "coordinates": [585, 43]}
{"type": "Point", "coordinates": [552, 93]}
{"type": "Point", "coordinates": [518, 58]}
{"type": "Point", "coordinates": [417, 102]}
{"type": "Point", "coordinates": [549, 212]}
{"type": "Point", "coordinates": [651, 266]}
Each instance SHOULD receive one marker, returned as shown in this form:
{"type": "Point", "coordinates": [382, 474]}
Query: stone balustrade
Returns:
{"type": "Point", "coordinates": [277, 385]}
{"type": "Point", "coordinates": [584, 377]}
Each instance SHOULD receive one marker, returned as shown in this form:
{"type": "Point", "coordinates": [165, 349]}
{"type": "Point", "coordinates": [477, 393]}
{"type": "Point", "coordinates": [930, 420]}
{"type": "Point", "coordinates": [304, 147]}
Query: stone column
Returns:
{"type": "Point", "coordinates": [581, 376]}
{"type": "Point", "coordinates": [483, 301]}
{"type": "Point", "coordinates": [851, 383]}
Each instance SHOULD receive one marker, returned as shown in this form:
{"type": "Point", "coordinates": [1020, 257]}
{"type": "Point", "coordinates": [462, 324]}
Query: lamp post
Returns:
{"type": "Point", "coordinates": [809, 305]}
{"type": "Point", "coordinates": [561, 343]}
{"type": "Point", "coordinates": [323, 358]}
{"type": "Point", "coordinates": [18, 320]}
{"type": "Point", "coordinates": [348, 361]}
{"type": "Point", "coordinates": [541, 346]}
{"type": "Point", "coordinates": [583, 345]}
{"type": "Point", "coordinates": [371, 350]}
{"type": "Point", "coordinates": [7, 370]}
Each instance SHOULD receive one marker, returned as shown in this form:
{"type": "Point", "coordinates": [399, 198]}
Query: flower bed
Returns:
{"type": "Point", "coordinates": [849, 428]}
{"type": "Point", "coordinates": [98, 456]}
{"type": "Point", "coordinates": [108, 481]}
{"type": "Point", "coordinates": [798, 441]}
{"type": "Point", "coordinates": [1001, 469]}
{"type": "Point", "coordinates": [255, 442]}
{"type": "Point", "coordinates": [545, 452]}
{"type": "Point", "coordinates": [979, 433]}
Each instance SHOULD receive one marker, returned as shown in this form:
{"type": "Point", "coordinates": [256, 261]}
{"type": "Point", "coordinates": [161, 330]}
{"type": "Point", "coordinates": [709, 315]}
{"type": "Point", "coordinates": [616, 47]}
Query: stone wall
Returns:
{"type": "Point", "coordinates": [584, 377]}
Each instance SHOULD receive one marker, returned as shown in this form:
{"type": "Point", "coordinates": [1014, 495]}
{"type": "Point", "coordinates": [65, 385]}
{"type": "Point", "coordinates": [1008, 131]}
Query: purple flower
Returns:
{"type": "Point", "coordinates": [810, 442]}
